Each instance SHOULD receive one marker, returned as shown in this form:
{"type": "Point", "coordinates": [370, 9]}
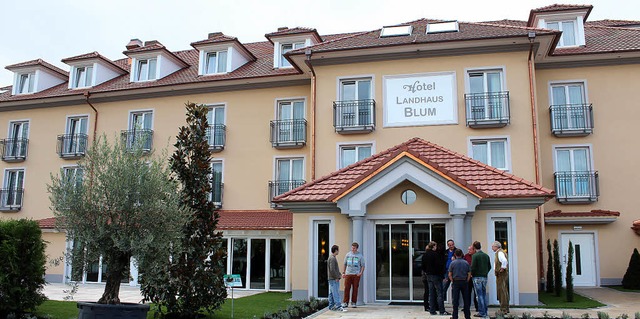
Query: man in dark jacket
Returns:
{"type": "Point", "coordinates": [460, 275]}
{"type": "Point", "coordinates": [432, 266]}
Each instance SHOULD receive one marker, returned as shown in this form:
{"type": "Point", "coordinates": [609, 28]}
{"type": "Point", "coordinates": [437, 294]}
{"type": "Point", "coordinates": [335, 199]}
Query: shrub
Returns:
{"type": "Point", "coordinates": [549, 268]}
{"type": "Point", "coordinates": [585, 315]}
{"type": "Point", "coordinates": [557, 270]}
{"type": "Point", "coordinates": [22, 267]}
{"type": "Point", "coordinates": [623, 316]}
{"type": "Point", "coordinates": [603, 315]}
{"type": "Point", "coordinates": [527, 315]}
{"type": "Point", "coordinates": [569, 273]}
{"type": "Point", "coordinates": [637, 315]}
{"type": "Point", "coordinates": [566, 315]}
{"type": "Point", "coordinates": [631, 279]}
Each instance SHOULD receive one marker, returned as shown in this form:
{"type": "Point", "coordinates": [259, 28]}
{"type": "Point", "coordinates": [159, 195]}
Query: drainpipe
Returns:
{"type": "Point", "coordinates": [312, 119]}
{"type": "Point", "coordinates": [95, 119]}
{"type": "Point", "coordinates": [534, 121]}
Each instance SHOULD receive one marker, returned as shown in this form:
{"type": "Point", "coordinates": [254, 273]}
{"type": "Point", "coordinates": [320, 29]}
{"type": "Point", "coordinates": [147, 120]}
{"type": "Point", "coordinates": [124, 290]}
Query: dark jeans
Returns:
{"type": "Point", "coordinates": [435, 294]}
{"type": "Point", "coordinates": [472, 293]}
{"type": "Point", "coordinates": [457, 287]}
{"type": "Point", "coordinates": [425, 297]}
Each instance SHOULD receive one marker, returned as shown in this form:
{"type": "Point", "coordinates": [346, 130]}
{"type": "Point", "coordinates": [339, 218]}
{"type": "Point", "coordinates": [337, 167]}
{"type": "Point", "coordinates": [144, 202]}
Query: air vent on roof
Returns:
{"type": "Point", "coordinates": [396, 31]}
{"type": "Point", "coordinates": [440, 27]}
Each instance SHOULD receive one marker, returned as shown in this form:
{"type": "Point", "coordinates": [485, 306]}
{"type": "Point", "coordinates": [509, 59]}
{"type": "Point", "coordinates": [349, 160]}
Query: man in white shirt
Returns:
{"type": "Point", "coordinates": [502, 276]}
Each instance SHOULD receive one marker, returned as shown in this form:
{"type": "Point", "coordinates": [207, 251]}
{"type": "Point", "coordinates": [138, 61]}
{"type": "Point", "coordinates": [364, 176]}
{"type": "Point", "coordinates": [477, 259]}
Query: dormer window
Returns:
{"type": "Point", "coordinates": [146, 69]}
{"type": "Point", "coordinates": [83, 76]}
{"type": "Point", "coordinates": [286, 47]}
{"type": "Point", "coordinates": [26, 82]}
{"type": "Point", "coordinates": [568, 29]}
{"type": "Point", "coordinates": [216, 62]}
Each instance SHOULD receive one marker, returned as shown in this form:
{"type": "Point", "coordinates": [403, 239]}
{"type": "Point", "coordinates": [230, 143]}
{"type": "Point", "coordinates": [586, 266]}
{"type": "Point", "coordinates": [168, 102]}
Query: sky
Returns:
{"type": "Point", "coordinates": [56, 29]}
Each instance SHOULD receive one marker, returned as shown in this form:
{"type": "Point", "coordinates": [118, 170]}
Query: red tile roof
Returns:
{"type": "Point", "coordinates": [613, 23]}
{"type": "Point", "coordinates": [255, 220]}
{"type": "Point", "coordinates": [92, 55]}
{"type": "Point", "coordinates": [216, 37]}
{"type": "Point", "coordinates": [38, 62]}
{"type": "Point", "coordinates": [562, 7]}
{"type": "Point", "coordinates": [484, 180]}
{"type": "Point", "coordinates": [232, 220]}
{"type": "Point", "coordinates": [288, 31]}
{"type": "Point", "coordinates": [592, 213]}
{"type": "Point", "coordinates": [605, 40]}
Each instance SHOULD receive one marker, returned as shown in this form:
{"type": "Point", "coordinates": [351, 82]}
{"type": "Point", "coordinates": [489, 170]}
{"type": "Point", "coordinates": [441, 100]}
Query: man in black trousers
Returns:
{"type": "Point", "coordinates": [460, 275]}
{"type": "Point", "coordinates": [432, 266]}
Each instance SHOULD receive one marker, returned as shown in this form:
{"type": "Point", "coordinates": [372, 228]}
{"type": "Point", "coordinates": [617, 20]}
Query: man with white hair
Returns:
{"type": "Point", "coordinates": [502, 276]}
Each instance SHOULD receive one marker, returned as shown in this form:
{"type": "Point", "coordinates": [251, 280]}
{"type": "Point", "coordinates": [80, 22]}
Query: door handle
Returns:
{"type": "Point", "coordinates": [564, 259]}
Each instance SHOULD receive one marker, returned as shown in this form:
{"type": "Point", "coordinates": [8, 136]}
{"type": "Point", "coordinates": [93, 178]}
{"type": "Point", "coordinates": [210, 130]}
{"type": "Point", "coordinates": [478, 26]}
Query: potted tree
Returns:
{"type": "Point", "coordinates": [119, 205]}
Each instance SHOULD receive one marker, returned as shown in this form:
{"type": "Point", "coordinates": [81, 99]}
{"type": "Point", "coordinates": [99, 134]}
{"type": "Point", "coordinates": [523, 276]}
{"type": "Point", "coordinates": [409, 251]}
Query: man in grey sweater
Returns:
{"type": "Point", "coordinates": [333, 273]}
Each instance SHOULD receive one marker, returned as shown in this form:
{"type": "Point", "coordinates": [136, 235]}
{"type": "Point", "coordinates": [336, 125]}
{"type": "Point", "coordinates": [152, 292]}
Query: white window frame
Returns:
{"type": "Point", "coordinates": [88, 81]}
{"type": "Point", "coordinates": [295, 45]}
{"type": "Point", "coordinates": [500, 68]}
{"type": "Point", "coordinates": [357, 78]}
{"type": "Point", "coordinates": [72, 168]}
{"type": "Point", "coordinates": [5, 182]}
{"type": "Point", "coordinates": [561, 43]}
{"type": "Point", "coordinates": [488, 139]}
{"type": "Point", "coordinates": [341, 146]}
{"type": "Point", "coordinates": [133, 112]}
{"type": "Point", "coordinates": [138, 77]}
{"type": "Point", "coordinates": [292, 157]}
{"type": "Point", "coordinates": [589, 148]}
{"type": "Point", "coordinates": [559, 17]}
{"type": "Point", "coordinates": [205, 62]}
{"type": "Point", "coordinates": [221, 162]}
{"type": "Point", "coordinates": [29, 84]}
{"type": "Point", "coordinates": [511, 220]}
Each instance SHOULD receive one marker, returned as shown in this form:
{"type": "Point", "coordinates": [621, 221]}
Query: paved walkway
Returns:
{"type": "Point", "coordinates": [617, 303]}
{"type": "Point", "coordinates": [93, 292]}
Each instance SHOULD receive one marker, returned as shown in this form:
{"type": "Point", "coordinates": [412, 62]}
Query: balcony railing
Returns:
{"type": "Point", "coordinates": [288, 133]}
{"type": "Point", "coordinates": [217, 137]}
{"type": "Point", "coordinates": [14, 149]}
{"type": "Point", "coordinates": [577, 187]}
{"type": "Point", "coordinates": [282, 186]}
{"type": "Point", "coordinates": [571, 119]}
{"type": "Point", "coordinates": [72, 146]}
{"type": "Point", "coordinates": [11, 199]}
{"type": "Point", "coordinates": [487, 109]}
{"type": "Point", "coordinates": [142, 139]}
{"type": "Point", "coordinates": [357, 116]}
{"type": "Point", "coordinates": [217, 189]}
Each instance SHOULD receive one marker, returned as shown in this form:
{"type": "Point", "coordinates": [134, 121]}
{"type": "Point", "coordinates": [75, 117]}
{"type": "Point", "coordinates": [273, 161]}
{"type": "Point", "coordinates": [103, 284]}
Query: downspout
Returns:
{"type": "Point", "coordinates": [534, 121]}
{"type": "Point", "coordinates": [95, 119]}
{"type": "Point", "coordinates": [313, 114]}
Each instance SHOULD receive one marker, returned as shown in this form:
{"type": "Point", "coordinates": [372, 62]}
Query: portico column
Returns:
{"type": "Point", "coordinates": [468, 237]}
{"type": "Point", "coordinates": [357, 232]}
{"type": "Point", "coordinates": [458, 229]}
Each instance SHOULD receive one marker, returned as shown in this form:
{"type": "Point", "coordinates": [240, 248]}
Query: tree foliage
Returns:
{"type": "Point", "coordinates": [631, 279]}
{"type": "Point", "coordinates": [193, 280]}
{"type": "Point", "coordinates": [557, 269]}
{"type": "Point", "coordinates": [119, 204]}
{"type": "Point", "coordinates": [550, 283]}
{"type": "Point", "coordinates": [22, 267]}
{"type": "Point", "coordinates": [569, 274]}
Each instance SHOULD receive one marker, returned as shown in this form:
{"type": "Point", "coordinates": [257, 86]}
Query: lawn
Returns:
{"type": "Point", "coordinates": [246, 307]}
{"type": "Point", "coordinates": [620, 288]}
{"type": "Point", "coordinates": [579, 302]}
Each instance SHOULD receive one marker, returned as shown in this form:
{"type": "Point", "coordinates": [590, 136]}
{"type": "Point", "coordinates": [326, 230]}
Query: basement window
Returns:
{"type": "Point", "coordinates": [396, 31]}
{"type": "Point", "coordinates": [441, 27]}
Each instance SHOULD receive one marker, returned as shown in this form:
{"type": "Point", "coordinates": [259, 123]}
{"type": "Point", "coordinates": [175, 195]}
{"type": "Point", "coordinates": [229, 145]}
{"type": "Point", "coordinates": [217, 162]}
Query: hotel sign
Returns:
{"type": "Point", "coordinates": [420, 99]}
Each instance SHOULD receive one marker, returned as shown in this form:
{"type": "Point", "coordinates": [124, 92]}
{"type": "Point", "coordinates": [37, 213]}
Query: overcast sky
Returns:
{"type": "Point", "coordinates": [56, 29]}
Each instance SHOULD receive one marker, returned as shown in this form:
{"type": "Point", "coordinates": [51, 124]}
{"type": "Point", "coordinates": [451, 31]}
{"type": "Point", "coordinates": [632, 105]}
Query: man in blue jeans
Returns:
{"type": "Point", "coordinates": [333, 274]}
{"type": "Point", "coordinates": [480, 267]}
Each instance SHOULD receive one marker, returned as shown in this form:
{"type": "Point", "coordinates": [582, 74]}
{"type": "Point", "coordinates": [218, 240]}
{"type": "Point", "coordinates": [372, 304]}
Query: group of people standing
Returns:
{"type": "Point", "coordinates": [466, 274]}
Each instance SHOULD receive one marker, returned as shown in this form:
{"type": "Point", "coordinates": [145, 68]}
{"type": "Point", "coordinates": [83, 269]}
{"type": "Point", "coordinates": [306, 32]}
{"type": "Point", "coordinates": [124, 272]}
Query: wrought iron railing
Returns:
{"type": "Point", "coordinates": [72, 145]}
{"type": "Point", "coordinates": [577, 186]}
{"type": "Point", "coordinates": [282, 186]}
{"type": "Point", "coordinates": [571, 119]}
{"type": "Point", "coordinates": [288, 132]}
{"type": "Point", "coordinates": [487, 109]}
{"type": "Point", "coordinates": [217, 136]}
{"type": "Point", "coordinates": [14, 149]}
{"type": "Point", "coordinates": [139, 138]}
{"type": "Point", "coordinates": [354, 115]}
{"type": "Point", "coordinates": [11, 199]}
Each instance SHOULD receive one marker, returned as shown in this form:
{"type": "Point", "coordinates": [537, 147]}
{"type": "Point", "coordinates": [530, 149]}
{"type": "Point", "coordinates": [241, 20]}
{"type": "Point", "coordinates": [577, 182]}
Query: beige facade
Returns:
{"type": "Point", "coordinates": [376, 210]}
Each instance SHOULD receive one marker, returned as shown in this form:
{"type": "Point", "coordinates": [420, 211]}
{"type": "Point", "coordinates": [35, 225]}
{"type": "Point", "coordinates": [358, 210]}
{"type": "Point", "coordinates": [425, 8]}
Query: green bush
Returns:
{"type": "Point", "coordinates": [550, 286]}
{"type": "Point", "coordinates": [22, 267]}
{"type": "Point", "coordinates": [631, 279]}
{"type": "Point", "coordinates": [557, 268]}
{"type": "Point", "coordinates": [569, 273]}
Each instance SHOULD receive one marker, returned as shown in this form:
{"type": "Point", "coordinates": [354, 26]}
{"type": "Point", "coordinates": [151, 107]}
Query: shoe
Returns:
{"type": "Point", "coordinates": [433, 313]}
{"type": "Point", "coordinates": [344, 305]}
{"type": "Point", "coordinates": [353, 305]}
{"type": "Point", "coordinates": [446, 313]}
{"type": "Point", "coordinates": [341, 309]}
{"type": "Point", "coordinates": [478, 315]}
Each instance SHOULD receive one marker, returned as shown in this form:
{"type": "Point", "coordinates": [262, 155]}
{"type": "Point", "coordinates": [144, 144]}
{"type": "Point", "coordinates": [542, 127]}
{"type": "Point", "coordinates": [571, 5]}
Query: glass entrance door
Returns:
{"type": "Point", "coordinates": [399, 248]}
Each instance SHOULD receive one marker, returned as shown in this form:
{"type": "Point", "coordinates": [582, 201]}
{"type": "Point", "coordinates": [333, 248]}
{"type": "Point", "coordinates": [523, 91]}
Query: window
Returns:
{"type": "Point", "coordinates": [83, 76]}
{"type": "Point", "coordinates": [290, 126]}
{"type": "Point", "coordinates": [486, 100]}
{"type": "Point", "coordinates": [569, 108]}
{"type": "Point", "coordinates": [146, 69]}
{"type": "Point", "coordinates": [15, 146]}
{"type": "Point", "coordinates": [140, 133]}
{"type": "Point", "coordinates": [289, 174]}
{"type": "Point", "coordinates": [74, 142]}
{"type": "Point", "coordinates": [575, 178]}
{"type": "Point", "coordinates": [216, 132]}
{"type": "Point", "coordinates": [568, 29]}
{"type": "Point", "coordinates": [73, 174]}
{"type": "Point", "coordinates": [396, 31]}
{"type": "Point", "coordinates": [359, 89]}
{"type": "Point", "coordinates": [216, 62]}
{"type": "Point", "coordinates": [492, 152]}
{"type": "Point", "coordinates": [26, 83]}
{"type": "Point", "coordinates": [216, 183]}
{"type": "Point", "coordinates": [286, 47]}
{"type": "Point", "coordinates": [355, 107]}
{"type": "Point", "coordinates": [350, 154]}
{"type": "Point", "coordinates": [11, 194]}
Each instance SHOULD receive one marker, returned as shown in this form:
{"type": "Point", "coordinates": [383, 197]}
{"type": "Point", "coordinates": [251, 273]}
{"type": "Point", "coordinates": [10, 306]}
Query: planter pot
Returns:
{"type": "Point", "coordinates": [92, 310]}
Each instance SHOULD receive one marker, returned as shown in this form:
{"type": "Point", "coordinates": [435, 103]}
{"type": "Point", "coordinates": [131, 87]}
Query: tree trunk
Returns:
{"type": "Point", "coordinates": [115, 273]}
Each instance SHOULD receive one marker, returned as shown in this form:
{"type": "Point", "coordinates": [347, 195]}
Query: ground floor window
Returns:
{"type": "Point", "coordinates": [90, 271]}
{"type": "Point", "coordinates": [260, 262]}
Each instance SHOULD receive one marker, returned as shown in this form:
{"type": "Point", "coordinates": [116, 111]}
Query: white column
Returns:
{"type": "Point", "coordinates": [468, 237]}
{"type": "Point", "coordinates": [358, 236]}
{"type": "Point", "coordinates": [458, 229]}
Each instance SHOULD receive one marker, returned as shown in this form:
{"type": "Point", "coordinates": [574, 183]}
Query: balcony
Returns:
{"type": "Point", "coordinates": [288, 133]}
{"type": "Point", "coordinates": [577, 187]}
{"type": "Point", "coordinates": [486, 110]}
{"type": "Point", "coordinates": [217, 189]}
{"type": "Point", "coordinates": [14, 149]}
{"type": "Point", "coordinates": [138, 139]}
{"type": "Point", "coordinates": [353, 117]}
{"type": "Point", "coordinates": [571, 119]}
{"type": "Point", "coordinates": [11, 199]}
{"type": "Point", "coordinates": [72, 146]}
{"type": "Point", "coordinates": [217, 137]}
{"type": "Point", "coordinates": [282, 186]}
